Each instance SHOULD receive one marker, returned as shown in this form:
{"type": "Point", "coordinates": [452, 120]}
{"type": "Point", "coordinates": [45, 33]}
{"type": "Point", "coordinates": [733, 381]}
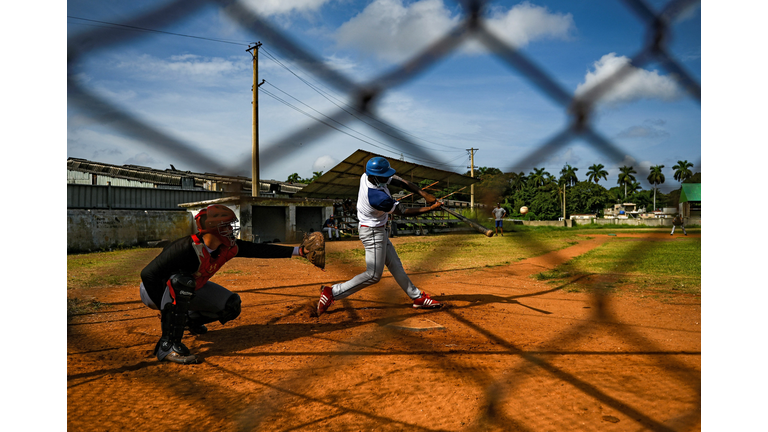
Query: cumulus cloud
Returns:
{"type": "Point", "coordinates": [281, 7]}
{"type": "Point", "coordinates": [141, 159]}
{"type": "Point", "coordinates": [188, 66]}
{"type": "Point", "coordinates": [526, 22]}
{"type": "Point", "coordinates": [393, 31]}
{"type": "Point", "coordinates": [638, 84]}
{"type": "Point", "coordinates": [324, 164]}
{"type": "Point", "coordinates": [651, 128]}
{"type": "Point", "coordinates": [643, 131]}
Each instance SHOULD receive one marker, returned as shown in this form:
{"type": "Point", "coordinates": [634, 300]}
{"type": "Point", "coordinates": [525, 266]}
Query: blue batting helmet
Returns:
{"type": "Point", "coordinates": [378, 166]}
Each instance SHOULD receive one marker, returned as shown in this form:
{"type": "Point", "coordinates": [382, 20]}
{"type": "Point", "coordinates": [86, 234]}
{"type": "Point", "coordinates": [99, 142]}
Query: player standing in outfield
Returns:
{"type": "Point", "coordinates": [374, 204]}
{"type": "Point", "coordinates": [678, 222]}
{"type": "Point", "coordinates": [176, 281]}
{"type": "Point", "coordinates": [331, 226]}
{"type": "Point", "coordinates": [499, 214]}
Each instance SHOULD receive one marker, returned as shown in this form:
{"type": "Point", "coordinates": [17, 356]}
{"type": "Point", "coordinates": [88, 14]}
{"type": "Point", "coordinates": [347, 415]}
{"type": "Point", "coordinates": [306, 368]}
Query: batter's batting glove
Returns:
{"type": "Point", "coordinates": [313, 249]}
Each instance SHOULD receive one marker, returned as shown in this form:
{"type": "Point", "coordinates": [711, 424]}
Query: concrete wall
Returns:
{"type": "Point", "coordinates": [660, 222]}
{"type": "Point", "coordinates": [545, 223]}
{"type": "Point", "coordinates": [93, 230]}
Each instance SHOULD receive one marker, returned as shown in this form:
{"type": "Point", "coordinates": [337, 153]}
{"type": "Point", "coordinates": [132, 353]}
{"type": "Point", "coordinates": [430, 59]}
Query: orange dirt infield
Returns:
{"type": "Point", "coordinates": [508, 353]}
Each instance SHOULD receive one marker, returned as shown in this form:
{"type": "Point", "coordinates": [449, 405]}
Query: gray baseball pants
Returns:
{"type": "Point", "coordinates": [207, 303]}
{"type": "Point", "coordinates": [379, 252]}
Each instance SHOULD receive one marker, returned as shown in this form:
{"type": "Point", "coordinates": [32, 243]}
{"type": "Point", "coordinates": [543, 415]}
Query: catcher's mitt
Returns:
{"type": "Point", "coordinates": [313, 249]}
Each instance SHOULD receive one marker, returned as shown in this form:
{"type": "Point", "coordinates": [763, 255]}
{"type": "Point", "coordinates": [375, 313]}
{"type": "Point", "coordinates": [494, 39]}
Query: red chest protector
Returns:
{"type": "Point", "coordinates": [208, 264]}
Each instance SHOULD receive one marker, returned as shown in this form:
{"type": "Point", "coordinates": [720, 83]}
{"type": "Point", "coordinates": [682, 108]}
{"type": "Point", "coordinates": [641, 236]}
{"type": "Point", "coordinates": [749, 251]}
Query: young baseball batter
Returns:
{"type": "Point", "coordinates": [176, 281]}
{"type": "Point", "coordinates": [374, 204]}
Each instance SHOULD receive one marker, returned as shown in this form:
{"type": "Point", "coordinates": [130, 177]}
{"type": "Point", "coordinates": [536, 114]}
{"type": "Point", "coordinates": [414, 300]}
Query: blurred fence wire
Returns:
{"type": "Point", "coordinates": [365, 96]}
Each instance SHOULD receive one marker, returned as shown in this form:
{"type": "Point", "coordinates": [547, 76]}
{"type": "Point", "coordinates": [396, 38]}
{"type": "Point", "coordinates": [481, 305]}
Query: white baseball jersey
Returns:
{"type": "Point", "coordinates": [374, 203]}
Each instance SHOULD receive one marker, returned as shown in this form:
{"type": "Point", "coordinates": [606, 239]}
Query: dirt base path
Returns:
{"type": "Point", "coordinates": [507, 353]}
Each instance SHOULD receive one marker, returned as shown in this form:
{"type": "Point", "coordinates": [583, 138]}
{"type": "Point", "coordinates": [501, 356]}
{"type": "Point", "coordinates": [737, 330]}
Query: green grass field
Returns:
{"type": "Point", "coordinates": [651, 268]}
{"type": "Point", "coordinates": [647, 268]}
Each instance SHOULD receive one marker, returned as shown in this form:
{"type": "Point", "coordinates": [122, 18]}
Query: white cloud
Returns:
{"type": "Point", "coordinates": [393, 31]}
{"type": "Point", "coordinates": [282, 7]}
{"type": "Point", "coordinates": [324, 163]}
{"type": "Point", "coordinates": [141, 159]}
{"type": "Point", "coordinates": [638, 84]}
{"type": "Point", "coordinates": [642, 131]}
{"type": "Point", "coordinates": [187, 66]}
{"type": "Point", "coordinates": [526, 22]}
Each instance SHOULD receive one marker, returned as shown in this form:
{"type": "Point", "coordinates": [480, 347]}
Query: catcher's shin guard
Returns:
{"type": "Point", "coordinates": [173, 320]}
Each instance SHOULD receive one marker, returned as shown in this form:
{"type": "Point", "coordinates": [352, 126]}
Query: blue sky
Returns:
{"type": "Point", "coordinates": [197, 90]}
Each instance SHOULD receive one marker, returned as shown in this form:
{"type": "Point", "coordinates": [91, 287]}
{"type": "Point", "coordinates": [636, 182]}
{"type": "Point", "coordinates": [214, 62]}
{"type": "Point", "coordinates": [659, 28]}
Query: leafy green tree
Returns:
{"type": "Point", "coordinates": [683, 170]}
{"type": "Point", "coordinates": [655, 178]}
{"type": "Point", "coordinates": [588, 198]}
{"type": "Point", "coordinates": [294, 178]}
{"type": "Point", "coordinates": [568, 175]}
{"type": "Point", "coordinates": [615, 194]}
{"type": "Point", "coordinates": [546, 203]}
{"type": "Point", "coordinates": [596, 172]}
{"type": "Point", "coordinates": [626, 177]}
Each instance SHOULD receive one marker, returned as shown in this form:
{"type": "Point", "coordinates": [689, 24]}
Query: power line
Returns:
{"type": "Point", "coordinates": [328, 96]}
{"type": "Point", "coordinates": [158, 31]}
{"type": "Point", "coordinates": [283, 101]}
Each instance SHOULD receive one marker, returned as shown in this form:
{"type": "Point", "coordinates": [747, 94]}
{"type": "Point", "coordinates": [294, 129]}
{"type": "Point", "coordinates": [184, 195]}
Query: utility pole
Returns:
{"type": "Point", "coordinates": [254, 50]}
{"type": "Point", "coordinates": [472, 174]}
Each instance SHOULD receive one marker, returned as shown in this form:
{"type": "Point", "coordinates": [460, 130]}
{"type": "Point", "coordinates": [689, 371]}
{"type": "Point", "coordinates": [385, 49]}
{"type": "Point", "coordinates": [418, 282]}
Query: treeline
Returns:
{"type": "Point", "coordinates": [547, 196]}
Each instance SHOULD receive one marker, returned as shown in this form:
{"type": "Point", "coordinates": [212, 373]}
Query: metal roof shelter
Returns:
{"type": "Point", "coordinates": [343, 180]}
{"type": "Point", "coordinates": [690, 192]}
{"type": "Point", "coordinates": [173, 178]}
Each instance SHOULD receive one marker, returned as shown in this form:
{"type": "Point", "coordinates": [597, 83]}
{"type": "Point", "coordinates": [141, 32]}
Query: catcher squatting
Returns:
{"type": "Point", "coordinates": [177, 282]}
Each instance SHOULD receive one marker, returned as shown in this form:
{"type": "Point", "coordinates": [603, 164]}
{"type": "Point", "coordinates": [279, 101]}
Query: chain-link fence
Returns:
{"type": "Point", "coordinates": [579, 108]}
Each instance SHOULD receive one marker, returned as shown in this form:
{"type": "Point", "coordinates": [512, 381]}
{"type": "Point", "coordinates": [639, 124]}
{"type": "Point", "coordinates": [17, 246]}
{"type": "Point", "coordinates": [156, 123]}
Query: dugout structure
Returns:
{"type": "Point", "coordinates": [342, 182]}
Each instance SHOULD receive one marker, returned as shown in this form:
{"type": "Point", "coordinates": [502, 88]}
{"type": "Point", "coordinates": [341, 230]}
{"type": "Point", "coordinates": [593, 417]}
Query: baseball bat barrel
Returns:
{"type": "Point", "coordinates": [479, 228]}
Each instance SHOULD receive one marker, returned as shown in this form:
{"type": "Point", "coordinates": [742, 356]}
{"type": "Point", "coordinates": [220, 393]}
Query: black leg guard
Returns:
{"type": "Point", "coordinates": [231, 309]}
{"type": "Point", "coordinates": [196, 323]}
{"type": "Point", "coordinates": [174, 318]}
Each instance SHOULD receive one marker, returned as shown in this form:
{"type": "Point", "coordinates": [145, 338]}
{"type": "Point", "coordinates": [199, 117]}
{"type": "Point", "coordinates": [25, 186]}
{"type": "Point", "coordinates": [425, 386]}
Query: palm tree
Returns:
{"type": "Point", "coordinates": [538, 177]}
{"type": "Point", "coordinates": [517, 180]}
{"type": "Point", "coordinates": [626, 177]}
{"type": "Point", "coordinates": [595, 172]}
{"type": "Point", "coordinates": [682, 170]}
{"type": "Point", "coordinates": [655, 178]}
{"type": "Point", "coordinates": [568, 175]}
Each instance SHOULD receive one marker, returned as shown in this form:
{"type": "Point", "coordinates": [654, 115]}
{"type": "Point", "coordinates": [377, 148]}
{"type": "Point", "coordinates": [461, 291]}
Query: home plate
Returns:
{"type": "Point", "coordinates": [415, 324]}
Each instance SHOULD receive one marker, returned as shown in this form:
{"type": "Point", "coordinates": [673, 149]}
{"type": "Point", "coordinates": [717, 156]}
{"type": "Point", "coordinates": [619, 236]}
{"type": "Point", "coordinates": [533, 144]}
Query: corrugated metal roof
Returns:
{"type": "Point", "coordinates": [169, 176]}
{"type": "Point", "coordinates": [343, 180]}
{"type": "Point", "coordinates": [691, 192]}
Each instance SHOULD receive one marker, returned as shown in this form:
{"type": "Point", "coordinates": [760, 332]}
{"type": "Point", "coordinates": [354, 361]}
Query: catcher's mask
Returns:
{"type": "Point", "coordinates": [220, 221]}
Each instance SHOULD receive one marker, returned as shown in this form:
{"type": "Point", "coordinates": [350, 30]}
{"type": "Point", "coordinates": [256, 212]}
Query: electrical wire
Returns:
{"type": "Point", "coordinates": [157, 31]}
{"type": "Point", "coordinates": [328, 96]}
{"type": "Point", "coordinates": [388, 149]}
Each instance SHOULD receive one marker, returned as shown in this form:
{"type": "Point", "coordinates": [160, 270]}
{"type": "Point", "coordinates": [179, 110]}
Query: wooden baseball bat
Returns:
{"type": "Point", "coordinates": [479, 228]}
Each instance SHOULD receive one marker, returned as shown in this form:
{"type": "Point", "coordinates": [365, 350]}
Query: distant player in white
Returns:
{"type": "Point", "coordinates": [374, 204]}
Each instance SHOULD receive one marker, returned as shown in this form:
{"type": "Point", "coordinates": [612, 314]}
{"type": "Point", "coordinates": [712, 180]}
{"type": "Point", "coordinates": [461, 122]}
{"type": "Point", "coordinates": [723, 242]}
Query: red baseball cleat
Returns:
{"type": "Point", "coordinates": [424, 302]}
{"type": "Point", "coordinates": [326, 299]}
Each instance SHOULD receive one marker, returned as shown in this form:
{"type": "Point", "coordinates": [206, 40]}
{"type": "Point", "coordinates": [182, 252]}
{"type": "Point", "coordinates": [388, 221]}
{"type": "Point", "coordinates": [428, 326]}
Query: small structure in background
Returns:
{"type": "Point", "coordinates": [623, 211]}
{"type": "Point", "coordinates": [690, 200]}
